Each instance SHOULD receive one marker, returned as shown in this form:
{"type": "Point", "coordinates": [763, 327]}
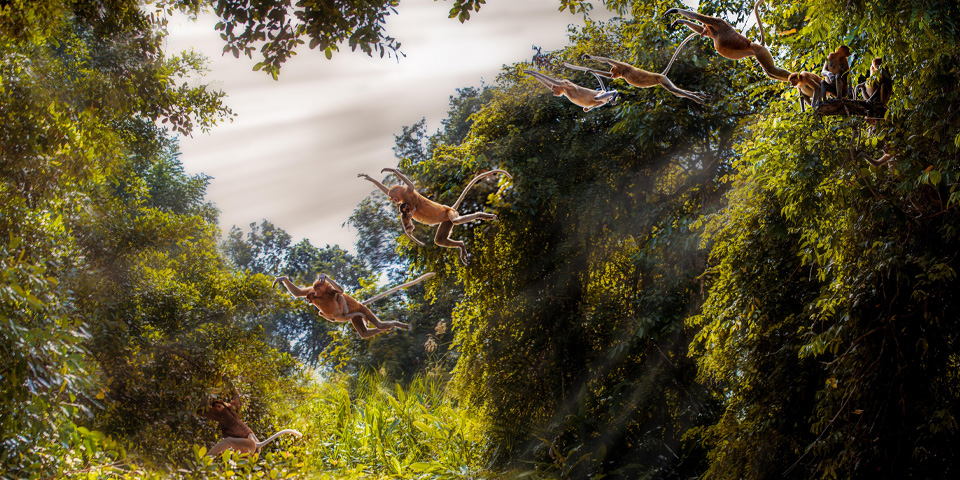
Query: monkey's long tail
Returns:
{"type": "Point", "coordinates": [756, 13]}
{"type": "Point", "coordinates": [275, 435]}
{"type": "Point", "coordinates": [684, 42]}
{"type": "Point", "coordinates": [398, 287]}
{"type": "Point", "coordinates": [475, 179]}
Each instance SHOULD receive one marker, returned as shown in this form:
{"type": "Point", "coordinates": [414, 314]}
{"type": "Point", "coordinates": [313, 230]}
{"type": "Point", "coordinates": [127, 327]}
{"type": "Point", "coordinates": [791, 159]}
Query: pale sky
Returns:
{"type": "Point", "coordinates": [293, 152]}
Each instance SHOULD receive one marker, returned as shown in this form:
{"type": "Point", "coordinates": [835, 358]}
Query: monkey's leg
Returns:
{"type": "Point", "coordinates": [695, 96]}
{"type": "Point", "coordinates": [468, 218]}
{"type": "Point", "coordinates": [242, 445]}
{"type": "Point", "coordinates": [443, 239]}
{"type": "Point", "coordinates": [381, 325]}
{"type": "Point", "coordinates": [362, 329]}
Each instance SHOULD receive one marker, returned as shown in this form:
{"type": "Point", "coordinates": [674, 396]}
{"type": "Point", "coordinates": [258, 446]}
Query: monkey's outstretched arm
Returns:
{"type": "Point", "coordinates": [379, 185]}
{"type": "Point", "coordinates": [589, 70]}
{"type": "Point", "coordinates": [403, 178]}
{"type": "Point", "coordinates": [692, 26]}
{"type": "Point", "coordinates": [293, 289]}
{"type": "Point", "coordinates": [545, 80]}
{"type": "Point", "coordinates": [705, 19]}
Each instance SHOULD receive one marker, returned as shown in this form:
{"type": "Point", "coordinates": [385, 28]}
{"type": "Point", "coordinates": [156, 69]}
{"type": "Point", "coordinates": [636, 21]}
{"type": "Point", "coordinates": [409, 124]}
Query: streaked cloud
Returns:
{"type": "Point", "coordinates": [293, 152]}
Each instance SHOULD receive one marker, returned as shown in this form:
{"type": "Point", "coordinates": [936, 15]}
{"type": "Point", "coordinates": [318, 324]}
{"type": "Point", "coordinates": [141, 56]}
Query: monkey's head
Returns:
{"type": "Point", "coordinates": [843, 50]}
{"type": "Point", "coordinates": [616, 72]}
{"type": "Point", "coordinates": [220, 411]}
{"type": "Point", "coordinates": [396, 194]}
{"type": "Point", "coordinates": [324, 285]}
{"type": "Point", "coordinates": [794, 78]}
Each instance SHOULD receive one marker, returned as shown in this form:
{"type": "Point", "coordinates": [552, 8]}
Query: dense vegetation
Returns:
{"type": "Point", "coordinates": [670, 291]}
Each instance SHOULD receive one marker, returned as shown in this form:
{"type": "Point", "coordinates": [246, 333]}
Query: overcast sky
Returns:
{"type": "Point", "coordinates": [293, 152]}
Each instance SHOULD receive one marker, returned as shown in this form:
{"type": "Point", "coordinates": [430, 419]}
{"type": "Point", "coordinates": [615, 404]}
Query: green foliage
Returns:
{"type": "Point", "coordinates": [363, 426]}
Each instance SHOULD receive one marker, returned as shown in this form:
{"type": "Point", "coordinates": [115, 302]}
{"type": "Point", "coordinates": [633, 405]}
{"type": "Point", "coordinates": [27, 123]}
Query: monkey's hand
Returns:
{"type": "Point", "coordinates": [365, 176]}
{"type": "Point", "coordinates": [671, 12]}
{"type": "Point", "coordinates": [278, 280]}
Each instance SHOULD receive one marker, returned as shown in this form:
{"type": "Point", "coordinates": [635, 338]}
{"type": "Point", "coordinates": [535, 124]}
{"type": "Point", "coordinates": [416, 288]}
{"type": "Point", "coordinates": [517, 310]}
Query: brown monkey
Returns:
{"type": "Point", "coordinates": [879, 86]}
{"type": "Point", "coordinates": [642, 78]}
{"type": "Point", "coordinates": [582, 96]}
{"type": "Point", "coordinates": [429, 212]}
{"type": "Point", "coordinates": [237, 435]}
{"type": "Point", "coordinates": [336, 306]}
{"type": "Point", "coordinates": [807, 84]}
{"type": "Point", "coordinates": [835, 71]}
{"type": "Point", "coordinates": [731, 43]}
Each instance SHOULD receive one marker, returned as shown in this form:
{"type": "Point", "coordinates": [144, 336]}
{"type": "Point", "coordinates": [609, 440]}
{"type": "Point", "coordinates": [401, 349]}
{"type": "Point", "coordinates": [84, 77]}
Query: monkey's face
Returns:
{"type": "Point", "coordinates": [794, 79]}
{"type": "Point", "coordinates": [616, 72]}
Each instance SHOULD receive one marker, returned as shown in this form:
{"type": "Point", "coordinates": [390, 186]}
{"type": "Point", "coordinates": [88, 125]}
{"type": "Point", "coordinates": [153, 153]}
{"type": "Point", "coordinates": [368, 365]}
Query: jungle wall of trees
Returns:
{"type": "Point", "coordinates": [671, 290]}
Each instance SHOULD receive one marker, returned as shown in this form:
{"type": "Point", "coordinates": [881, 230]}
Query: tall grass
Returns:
{"type": "Point", "coordinates": [363, 427]}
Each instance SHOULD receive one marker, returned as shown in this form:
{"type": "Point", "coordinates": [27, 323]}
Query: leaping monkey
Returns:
{"type": "Point", "coordinates": [582, 96]}
{"type": "Point", "coordinates": [731, 43]}
{"type": "Point", "coordinates": [336, 306]}
{"type": "Point", "coordinates": [642, 78]}
{"type": "Point", "coordinates": [413, 205]}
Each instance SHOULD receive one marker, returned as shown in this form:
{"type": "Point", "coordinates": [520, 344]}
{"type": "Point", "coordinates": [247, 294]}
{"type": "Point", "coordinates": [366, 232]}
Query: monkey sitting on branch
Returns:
{"type": "Point", "coordinates": [835, 73]}
{"type": "Point", "coordinates": [426, 211]}
{"type": "Point", "coordinates": [336, 306]}
{"type": "Point", "coordinates": [237, 436]}
{"type": "Point", "coordinates": [731, 43]}
{"type": "Point", "coordinates": [808, 84]}
{"type": "Point", "coordinates": [582, 96]}
{"type": "Point", "coordinates": [642, 78]}
{"type": "Point", "coordinates": [877, 88]}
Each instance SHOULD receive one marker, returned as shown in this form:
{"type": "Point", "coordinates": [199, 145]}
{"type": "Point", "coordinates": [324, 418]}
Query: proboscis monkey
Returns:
{"type": "Point", "coordinates": [582, 96]}
{"type": "Point", "coordinates": [834, 75]}
{"type": "Point", "coordinates": [642, 78]}
{"type": "Point", "coordinates": [237, 435]}
{"type": "Point", "coordinates": [426, 211]}
{"type": "Point", "coordinates": [807, 84]}
{"type": "Point", "coordinates": [731, 43]}
{"type": "Point", "coordinates": [336, 306]}
{"type": "Point", "coordinates": [879, 87]}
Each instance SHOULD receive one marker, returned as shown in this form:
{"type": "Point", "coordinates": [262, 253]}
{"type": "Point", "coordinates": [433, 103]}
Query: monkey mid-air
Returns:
{"type": "Point", "coordinates": [642, 78]}
{"type": "Point", "coordinates": [731, 43]}
{"type": "Point", "coordinates": [808, 84]}
{"type": "Point", "coordinates": [582, 96]}
{"type": "Point", "coordinates": [413, 205]}
{"type": "Point", "coordinates": [237, 435]}
{"type": "Point", "coordinates": [835, 72]}
{"type": "Point", "coordinates": [336, 306]}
